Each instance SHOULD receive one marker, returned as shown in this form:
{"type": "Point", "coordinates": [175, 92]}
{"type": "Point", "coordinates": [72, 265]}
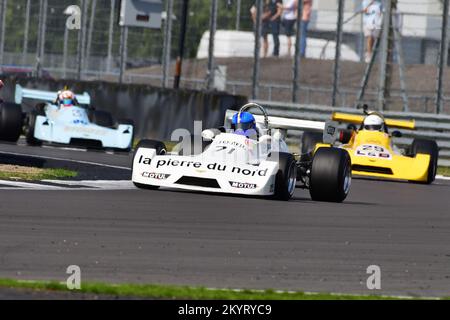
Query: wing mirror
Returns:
{"type": "Point", "coordinates": [396, 134]}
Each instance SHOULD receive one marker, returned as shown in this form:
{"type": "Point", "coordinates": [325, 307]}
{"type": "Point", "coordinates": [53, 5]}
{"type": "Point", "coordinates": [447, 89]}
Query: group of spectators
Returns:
{"type": "Point", "coordinates": [283, 13]}
{"type": "Point", "coordinates": [277, 13]}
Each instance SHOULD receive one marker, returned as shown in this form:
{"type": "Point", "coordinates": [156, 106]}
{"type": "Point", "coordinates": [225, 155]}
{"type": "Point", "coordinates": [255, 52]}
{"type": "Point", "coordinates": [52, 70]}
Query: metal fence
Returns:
{"type": "Point", "coordinates": [408, 71]}
{"type": "Point", "coordinates": [429, 126]}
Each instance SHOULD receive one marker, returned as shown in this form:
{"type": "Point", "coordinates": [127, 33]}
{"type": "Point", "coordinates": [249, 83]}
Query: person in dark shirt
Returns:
{"type": "Point", "coordinates": [276, 9]}
{"type": "Point", "coordinates": [271, 20]}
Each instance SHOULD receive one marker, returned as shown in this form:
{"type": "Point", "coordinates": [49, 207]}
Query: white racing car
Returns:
{"type": "Point", "coordinates": [258, 164]}
{"type": "Point", "coordinates": [52, 120]}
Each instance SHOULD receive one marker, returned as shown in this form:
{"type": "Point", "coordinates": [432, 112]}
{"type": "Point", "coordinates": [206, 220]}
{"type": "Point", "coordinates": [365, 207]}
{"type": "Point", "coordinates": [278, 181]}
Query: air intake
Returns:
{"type": "Point", "coordinates": [373, 169]}
{"type": "Point", "coordinates": [199, 182]}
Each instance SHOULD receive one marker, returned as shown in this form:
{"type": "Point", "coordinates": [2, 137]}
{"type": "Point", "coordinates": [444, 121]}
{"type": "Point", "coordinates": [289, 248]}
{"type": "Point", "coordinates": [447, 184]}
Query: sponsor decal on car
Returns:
{"type": "Point", "coordinates": [155, 175]}
{"type": "Point", "coordinates": [242, 185]}
{"type": "Point", "coordinates": [373, 151]}
{"type": "Point", "coordinates": [202, 167]}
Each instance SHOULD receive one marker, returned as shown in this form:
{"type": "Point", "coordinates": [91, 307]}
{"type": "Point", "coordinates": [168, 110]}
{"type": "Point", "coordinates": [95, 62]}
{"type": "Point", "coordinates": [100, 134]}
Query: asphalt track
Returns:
{"type": "Point", "coordinates": [220, 241]}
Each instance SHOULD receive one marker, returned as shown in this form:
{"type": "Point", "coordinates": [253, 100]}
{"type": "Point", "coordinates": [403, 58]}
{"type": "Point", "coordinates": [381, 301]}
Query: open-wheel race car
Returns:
{"type": "Point", "coordinates": [63, 120]}
{"type": "Point", "coordinates": [368, 141]}
{"type": "Point", "coordinates": [247, 156]}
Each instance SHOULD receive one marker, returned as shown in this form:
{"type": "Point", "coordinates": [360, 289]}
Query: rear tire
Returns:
{"type": "Point", "coordinates": [309, 141]}
{"type": "Point", "coordinates": [330, 176]}
{"type": "Point", "coordinates": [11, 121]}
{"type": "Point", "coordinates": [286, 177]}
{"type": "Point", "coordinates": [160, 148]}
{"type": "Point", "coordinates": [429, 147]}
{"type": "Point", "coordinates": [102, 118]}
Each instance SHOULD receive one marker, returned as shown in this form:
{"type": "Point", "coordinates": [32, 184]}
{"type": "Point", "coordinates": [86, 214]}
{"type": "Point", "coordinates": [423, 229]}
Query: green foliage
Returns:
{"type": "Point", "coordinates": [142, 43]}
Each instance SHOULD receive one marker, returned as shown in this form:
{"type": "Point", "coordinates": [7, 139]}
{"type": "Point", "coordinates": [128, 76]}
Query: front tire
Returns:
{"type": "Point", "coordinates": [160, 148]}
{"type": "Point", "coordinates": [286, 177]}
{"type": "Point", "coordinates": [30, 125]}
{"type": "Point", "coordinates": [330, 176]}
{"type": "Point", "coordinates": [10, 122]}
{"type": "Point", "coordinates": [429, 147]}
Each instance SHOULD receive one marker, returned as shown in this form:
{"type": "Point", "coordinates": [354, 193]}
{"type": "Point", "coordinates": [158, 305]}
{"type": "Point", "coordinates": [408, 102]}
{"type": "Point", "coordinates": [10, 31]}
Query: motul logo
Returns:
{"type": "Point", "coordinates": [243, 185]}
{"type": "Point", "coordinates": [156, 176]}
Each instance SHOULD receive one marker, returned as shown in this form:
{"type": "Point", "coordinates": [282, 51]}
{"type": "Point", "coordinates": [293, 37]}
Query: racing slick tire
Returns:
{"type": "Point", "coordinates": [10, 121]}
{"type": "Point", "coordinates": [309, 141]}
{"type": "Point", "coordinates": [286, 177]}
{"type": "Point", "coordinates": [330, 176]}
{"type": "Point", "coordinates": [429, 147]}
{"type": "Point", "coordinates": [102, 118]}
{"type": "Point", "coordinates": [30, 124]}
{"type": "Point", "coordinates": [160, 148]}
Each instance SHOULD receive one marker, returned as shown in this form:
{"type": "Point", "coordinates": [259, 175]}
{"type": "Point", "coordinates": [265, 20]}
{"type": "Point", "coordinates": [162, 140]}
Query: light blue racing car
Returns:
{"type": "Point", "coordinates": [64, 118]}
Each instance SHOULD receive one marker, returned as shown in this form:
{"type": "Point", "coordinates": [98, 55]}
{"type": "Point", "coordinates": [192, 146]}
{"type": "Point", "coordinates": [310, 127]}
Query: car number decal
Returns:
{"type": "Point", "coordinates": [373, 151]}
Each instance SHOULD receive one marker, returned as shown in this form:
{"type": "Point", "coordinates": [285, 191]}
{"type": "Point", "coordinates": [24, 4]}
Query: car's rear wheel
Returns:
{"type": "Point", "coordinates": [191, 146]}
{"type": "Point", "coordinates": [429, 147]}
{"type": "Point", "coordinates": [160, 148]}
{"type": "Point", "coordinates": [30, 125]}
{"type": "Point", "coordinates": [101, 118]}
{"type": "Point", "coordinates": [10, 122]}
{"type": "Point", "coordinates": [330, 176]}
{"type": "Point", "coordinates": [309, 141]}
{"type": "Point", "coordinates": [286, 177]}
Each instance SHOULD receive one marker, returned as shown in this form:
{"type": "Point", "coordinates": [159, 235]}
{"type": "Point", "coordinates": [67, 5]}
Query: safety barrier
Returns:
{"type": "Point", "coordinates": [428, 126]}
{"type": "Point", "coordinates": [156, 112]}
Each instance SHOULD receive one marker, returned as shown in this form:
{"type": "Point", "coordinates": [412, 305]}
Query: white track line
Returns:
{"type": "Point", "coordinates": [442, 177]}
{"type": "Point", "coordinates": [64, 159]}
{"type": "Point", "coordinates": [68, 185]}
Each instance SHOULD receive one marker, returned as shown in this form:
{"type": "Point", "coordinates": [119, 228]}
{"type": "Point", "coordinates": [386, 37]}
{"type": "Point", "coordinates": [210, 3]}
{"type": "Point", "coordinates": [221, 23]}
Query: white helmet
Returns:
{"type": "Point", "coordinates": [373, 122]}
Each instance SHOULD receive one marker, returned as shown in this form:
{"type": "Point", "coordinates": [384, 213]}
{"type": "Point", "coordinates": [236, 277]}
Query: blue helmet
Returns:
{"type": "Point", "coordinates": [242, 122]}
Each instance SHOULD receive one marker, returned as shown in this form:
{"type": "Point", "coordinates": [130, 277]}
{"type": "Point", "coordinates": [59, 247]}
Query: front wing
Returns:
{"type": "Point", "coordinates": [47, 130]}
{"type": "Point", "coordinates": [198, 173]}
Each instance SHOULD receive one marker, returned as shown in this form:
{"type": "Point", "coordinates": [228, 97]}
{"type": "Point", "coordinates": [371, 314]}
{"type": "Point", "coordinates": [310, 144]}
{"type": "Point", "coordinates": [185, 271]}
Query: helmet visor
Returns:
{"type": "Point", "coordinates": [67, 102]}
{"type": "Point", "coordinates": [244, 126]}
{"type": "Point", "coordinates": [373, 127]}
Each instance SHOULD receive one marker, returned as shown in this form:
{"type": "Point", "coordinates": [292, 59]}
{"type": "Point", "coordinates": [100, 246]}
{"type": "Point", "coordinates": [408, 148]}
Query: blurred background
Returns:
{"type": "Point", "coordinates": [407, 72]}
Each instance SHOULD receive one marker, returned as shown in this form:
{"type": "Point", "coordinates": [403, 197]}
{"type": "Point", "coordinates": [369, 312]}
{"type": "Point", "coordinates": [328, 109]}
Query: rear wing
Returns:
{"type": "Point", "coordinates": [358, 119]}
{"type": "Point", "coordinates": [281, 123]}
{"type": "Point", "coordinates": [49, 96]}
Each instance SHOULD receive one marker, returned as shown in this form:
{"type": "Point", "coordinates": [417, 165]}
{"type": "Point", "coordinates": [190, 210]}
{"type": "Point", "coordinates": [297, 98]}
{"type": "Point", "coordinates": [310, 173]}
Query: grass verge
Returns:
{"type": "Point", "coordinates": [13, 172]}
{"type": "Point", "coordinates": [445, 171]}
{"type": "Point", "coordinates": [181, 292]}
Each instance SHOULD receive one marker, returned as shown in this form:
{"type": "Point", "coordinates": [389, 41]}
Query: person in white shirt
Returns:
{"type": "Point", "coordinates": [372, 20]}
{"type": "Point", "coordinates": [288, 19]}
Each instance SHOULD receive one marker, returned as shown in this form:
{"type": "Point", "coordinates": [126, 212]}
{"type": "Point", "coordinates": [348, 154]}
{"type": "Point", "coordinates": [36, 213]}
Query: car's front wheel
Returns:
{"type": "Point", "coordinates": [160, 148]}
{"type": "Point", "coordinates": [330, 176]}
{"type": "Point", "coordinates": [30, 125]}
{"type": "Point", "coordinates": [429, 147]}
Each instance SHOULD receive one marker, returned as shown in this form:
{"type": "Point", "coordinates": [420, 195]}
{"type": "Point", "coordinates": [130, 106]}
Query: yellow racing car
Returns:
{"type": "Point", "coordinates": [371, 148]}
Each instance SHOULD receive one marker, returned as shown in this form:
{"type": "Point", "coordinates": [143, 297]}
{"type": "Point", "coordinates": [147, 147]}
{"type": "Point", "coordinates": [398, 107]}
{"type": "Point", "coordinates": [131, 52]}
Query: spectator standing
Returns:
{"type": "Point", "coordinates": [372, 21]}
{"type": "Point", "coordinates": [288, 20]}
{"type": "Point", "coordinates": [306, 17]}
{"type": "Point", "coordinates": [276, 9]}
{"type": "Point", "coordinates": [266, 14]}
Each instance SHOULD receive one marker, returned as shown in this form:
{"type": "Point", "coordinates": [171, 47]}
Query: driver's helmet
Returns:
{"type": "Point", "coordinates": [373, 122]}
{"type": "Point", "coordinates": [244, 123]}
{"type": "Point", "coordinates": [66, 98]}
